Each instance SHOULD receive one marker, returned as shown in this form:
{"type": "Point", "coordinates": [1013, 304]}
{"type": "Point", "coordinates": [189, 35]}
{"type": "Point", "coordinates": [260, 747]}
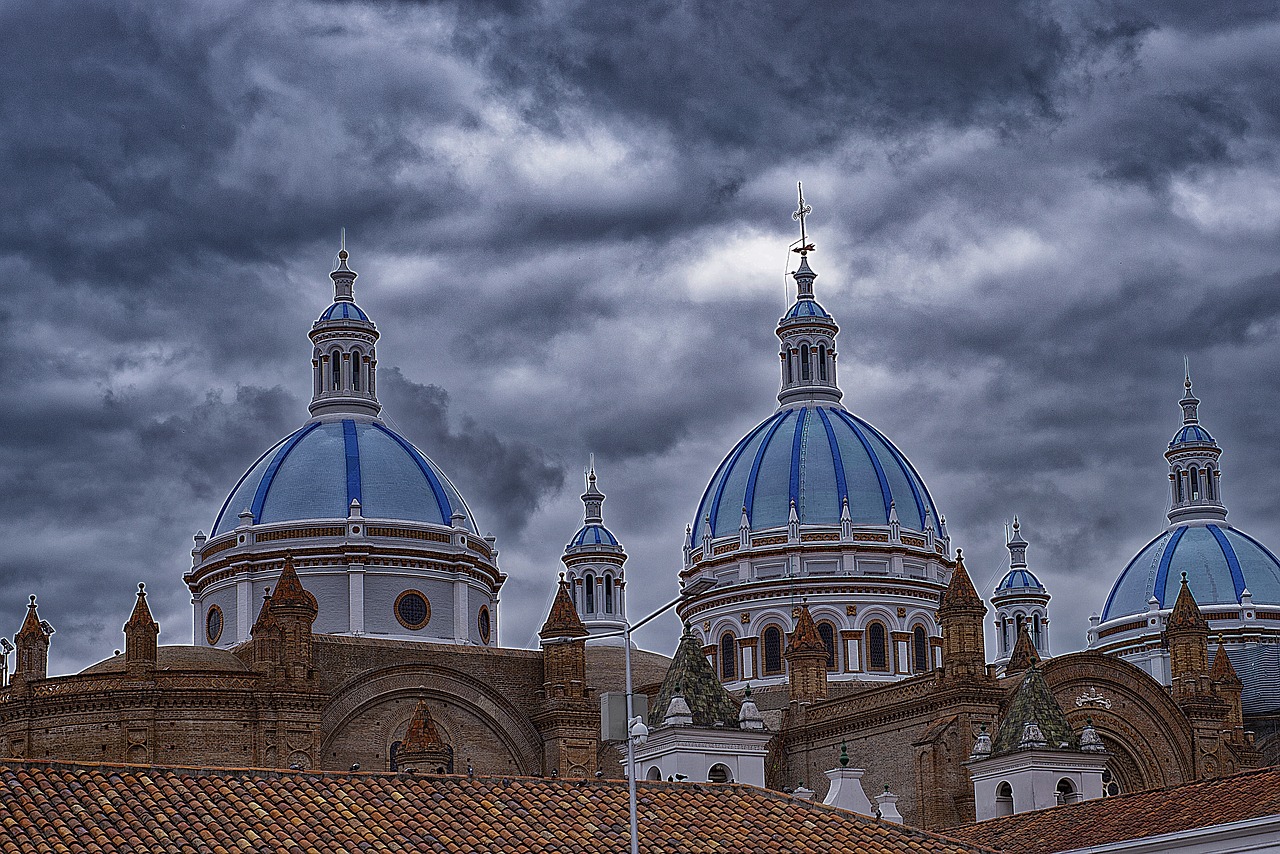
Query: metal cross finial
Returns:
{"type": "Point", "coordinates": [344, 238]}
{"type": "Point", "coordinates": [800, 213]}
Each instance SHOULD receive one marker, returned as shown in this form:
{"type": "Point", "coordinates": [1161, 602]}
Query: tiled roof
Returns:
{"type": "Point", "coordinates": [115, 809]}
{"type": "Point", "coordinates": [563, 620]}
{"type": "Point", "coordinates": [422, 734]}
{"type": "Point", "coordinates": [691, 677]}
{"type": "Point", "coordinates": [1033, 701]}
{"type": "Point", "coordinates": [1253, 794]}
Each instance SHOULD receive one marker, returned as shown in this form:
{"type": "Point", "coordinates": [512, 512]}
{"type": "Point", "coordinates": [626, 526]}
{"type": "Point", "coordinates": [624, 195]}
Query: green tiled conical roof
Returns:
{"type": "Point", "coordinates": [1033, 701]}
{"type": "Point", "coordinates": [691, 677]}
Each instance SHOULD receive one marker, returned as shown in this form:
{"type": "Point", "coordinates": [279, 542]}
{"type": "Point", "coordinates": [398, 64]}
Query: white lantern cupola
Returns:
{"type": "Point", "coordinates": [343, 359]}
{"type": "Point", "coordinates": [1194, 476]}
{"type": "Point", "coordinates": [1020, 601]}
{"type": "Point", "coordinates": [594, 563]}
{"type": "Point", "coordinates": [808, 336]}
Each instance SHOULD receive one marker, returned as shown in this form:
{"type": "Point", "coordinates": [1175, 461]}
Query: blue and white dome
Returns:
{"type": "Point", "coordinates": [1019, 579]}
{"type": "Point", "coordinates": [318, 470]}
{"type": "Point", "coordinates": [1191, 434]}
{"type": "Point", "coordinates": [806, 308]}
{"type": "Point", "coordinates": [593, 535]}
{"type": "Point", "coordinates": [1220, 561]}
{"type": "Point", "coordinates": [342, 310]}
{"type": "Point", "coordinates": [818, 456]}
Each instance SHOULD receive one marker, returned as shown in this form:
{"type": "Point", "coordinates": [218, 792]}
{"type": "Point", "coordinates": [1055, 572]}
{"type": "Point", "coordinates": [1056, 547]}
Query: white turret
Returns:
{"type": "Point", "coordinates": [1194, 486]}
{"type": "Point", "coordinates": [594, 567]}
{"type": "Point", "coordinates": [344, 362]}
{"type": "Point", "coordinates": [1021, 602]}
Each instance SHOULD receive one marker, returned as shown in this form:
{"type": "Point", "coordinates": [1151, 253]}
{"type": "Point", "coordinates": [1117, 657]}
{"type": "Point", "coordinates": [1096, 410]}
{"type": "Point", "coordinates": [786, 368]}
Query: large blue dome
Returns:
{"type": "Point", "coordinates": [1221, 562]}
{"type": "Point", "coordinates": [316, 472]}
{"type": "Point", "coordinates": [816, 456]}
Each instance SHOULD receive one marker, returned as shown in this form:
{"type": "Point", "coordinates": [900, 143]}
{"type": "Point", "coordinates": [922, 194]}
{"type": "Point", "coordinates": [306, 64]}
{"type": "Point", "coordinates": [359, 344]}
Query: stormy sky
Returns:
{"type": "Point", "coordinates": [571, 223]}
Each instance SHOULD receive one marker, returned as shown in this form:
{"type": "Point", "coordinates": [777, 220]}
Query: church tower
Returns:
{"type": "Point", "coordinates": [1021, 603]}
{"type": "Point", "coordinates": [594, 562]}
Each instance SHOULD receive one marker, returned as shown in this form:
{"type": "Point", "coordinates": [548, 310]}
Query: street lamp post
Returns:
{"type": "Point", "coordinates": [637, 732]}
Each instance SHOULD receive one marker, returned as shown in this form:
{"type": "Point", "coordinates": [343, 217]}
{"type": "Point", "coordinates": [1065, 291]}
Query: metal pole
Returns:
{"type": "Point", "coordinates": [631, 746]}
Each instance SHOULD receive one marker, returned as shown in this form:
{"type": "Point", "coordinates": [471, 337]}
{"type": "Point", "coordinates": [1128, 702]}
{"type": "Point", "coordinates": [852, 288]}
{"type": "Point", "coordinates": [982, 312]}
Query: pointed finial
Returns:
{"type": "Point", "coordinates": [802, 211]}
{"type": "Point", "coordinates": [1186, 368]}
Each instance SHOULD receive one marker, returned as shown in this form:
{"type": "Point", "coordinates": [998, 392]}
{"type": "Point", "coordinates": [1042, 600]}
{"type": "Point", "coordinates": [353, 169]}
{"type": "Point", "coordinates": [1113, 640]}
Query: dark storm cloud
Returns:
{"type": "Point", "coordinates": [1027, 213]}
{"type": "Point", "coordinates": [506, 480]}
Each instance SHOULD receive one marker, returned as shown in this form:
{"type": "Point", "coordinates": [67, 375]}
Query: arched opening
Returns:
{"type": "Point", "coordinates": [728, 657]}
{"type": "Point", "coordinates": [608, 594]}
{"type": "Point", "coordinates": [1210, 490]}
{"type": "Point", "coordinates": [1020, 625]}
{"type": "Point", "coordinates": [804, 363]}
{"type": "Point", "coordinates": [877, 648]}
{"type": "Point", "coordinates": [772, 639]}
{"type": "Point", "coordinates": [655, 773]}
{"type": "Point", "coordinates": [822, 362]}
{"type": "Point", "coordinates": [1004, 799]}
{"type": "Point", "coordinates": [827, 631]}
{"type": "Point", "coordinates": [1178, 480]}
{"type": "Point", "coordinates": [920, 644]}
{"type": "Point", "coordinates": [719, 773]}
{"type": "Point", "coordinates": [1004, 634]}
{"type": "Point", "coordinates": [590, 593]}
{"type": "Point", "coordinates": [355, 370]}
{"type": "Point", "coordinates": [1035, 629]}
{"type": "Point", "coordinates": [786, 363]}
{"type": "Point", "coordinates": [335, 371]}
{"type": "Point", "coordinates": [1194, 480]}
{"type": "Point", "coordinates": [1066, 791]}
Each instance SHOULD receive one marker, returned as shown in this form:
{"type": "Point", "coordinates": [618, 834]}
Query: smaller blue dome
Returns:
{"type": "Point", "coordinates": [1018, 579]}
{"type": "Point", "coordinates": [592, 535]}
{"type": "Point", "coordinates": [806, 308]}
{"type": "Point", "coordinates": [342, 310]}
{"type": "Point", "coordinates": [1192, 434]}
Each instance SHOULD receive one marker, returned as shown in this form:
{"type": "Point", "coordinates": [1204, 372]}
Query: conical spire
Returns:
{"type": "Point", "coordinates": [31, 624]}
{"type": "Point", "coordinates": [690, 676]}
{"type": "Point", "coordinates": [289, 591]}
{"type": "Point", "coordinates": [1024, 654]}
{"type": "Point", "coordinates": [1017, 547]}
{"type": "Point", "coordinates": [563, 620]}
{"type": "Point", "coordinates": [141, 616]}
{"type": "Point", "coordinates": [1222, 672]}
{"type": "Point", "coordinates": [265, 619]}
{"type": "Point", "coordinates": [806, 637]}
{"type": "Point", "coordinates": [140, 633]}
{"type": "Point", "coordinates": [960, 593]}
{"type": "Point", "coordinates": [1186, 613]}
{"type": "Point", "coordinates": [1189, 403]}
{"type": "Point", "coordinates": [422, 735]}
{"type": "Point", "coordinates": [1034, 710]}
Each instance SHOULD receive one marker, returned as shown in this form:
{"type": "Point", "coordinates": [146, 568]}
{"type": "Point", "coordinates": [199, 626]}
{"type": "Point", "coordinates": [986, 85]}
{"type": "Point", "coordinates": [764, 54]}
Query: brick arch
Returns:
{"type": "Point", "coordinates": [507, 724]}
{"type": "Point", "coordinates": [1143, 726]}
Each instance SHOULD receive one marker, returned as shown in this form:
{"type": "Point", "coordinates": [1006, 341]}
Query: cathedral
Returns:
{"type": "Point", "coordinates": [346, 613]}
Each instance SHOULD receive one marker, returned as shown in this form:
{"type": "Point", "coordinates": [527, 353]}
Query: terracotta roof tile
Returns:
{"type": "Point", "coordinates": [563, 620]}
{"type": "Point", "coordinates": [113, 809]}
{"type": "Point", "coordinates": [1154, 812]}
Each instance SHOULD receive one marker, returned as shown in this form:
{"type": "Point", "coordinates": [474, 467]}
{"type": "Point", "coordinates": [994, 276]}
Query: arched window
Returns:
{"type": "Point", "coordinates": [655, 773]}
{"type": "Point", "coordinates": [772, 638]}
{"type": "Point", "coordinates": [1209, 485]}
{"type": "Point", "coordinates": [728, 657]}
{"type": "Point", "coordinates": [877, 647]}
{"type": "Point", "coordinates": [1020, 623]}
{"type": "Point", "coordinates": [355, 370]}
{"type": "Point", "coordinates": [1035, 629]}
{"type": "Point", "coordinates": [1066, 791]}
{"type": "Point", "coordinates": [608, 594]}
{"type": "Point", "coordinates": [822, 362]}
{"type": "Point", "coordinates": [804, 363]}
{"type": "Point", "coordinates": [590, 585]}
{"type": "Point", "coordinates": [920, 642]}
{"type": "Point", "coordinates": [1178, 480]}
{"type": "Point", "coordinates": [1004, 634]}
{"type": "Point", "coordinates": [335, 370]}
{"type": "Point", "coordinates": [827, 632]}
{"type": "Point", "coordinates": [1194, 480]}
{"type": "Point", "coordinates": [719, 773]}
{"type": "Point", "coordinates": [1004, 799]}
{"type": "Point", "coordinates": [786, 360]}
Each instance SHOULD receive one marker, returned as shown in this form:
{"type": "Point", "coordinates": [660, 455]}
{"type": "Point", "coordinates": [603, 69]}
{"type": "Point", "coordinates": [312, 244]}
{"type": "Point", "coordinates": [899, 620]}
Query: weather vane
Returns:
{"type": "Point", "coordinates": [800, 213]}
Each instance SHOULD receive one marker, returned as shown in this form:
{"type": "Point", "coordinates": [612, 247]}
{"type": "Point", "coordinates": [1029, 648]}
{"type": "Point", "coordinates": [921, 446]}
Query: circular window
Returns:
{"type": "Point", "coordinates": [213, 624]}
{"type": "Point", "coordinates": [483, 623]}
{"type": "Point", "coordinates": [412, 609]}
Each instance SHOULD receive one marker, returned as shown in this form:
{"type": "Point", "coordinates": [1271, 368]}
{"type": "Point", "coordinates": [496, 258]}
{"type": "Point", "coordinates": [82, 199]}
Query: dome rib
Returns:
{"type": "Point", "coordinates": [796, 438]}
{"type": "Point", "coordinates": [842, 488]}
{"type": "Point", "coordinates": [885, 492]}
{"type": "Point", "coordinates": [752, 479]}
{"type": "Point", "coordinates": [260, 496]}
{"type": "Point", "coordinates": [217, 522]}
{"type": "Point", "coordinates": [722, 475]}
{"type": "Point", "coordinates": [1233, 563]}
{"type": "Point", "coordinates": [351, 447]}
{"type": "Point", "coordinates": [1162, 574]}
{"type": "Point", "coordinates": [442, 498]}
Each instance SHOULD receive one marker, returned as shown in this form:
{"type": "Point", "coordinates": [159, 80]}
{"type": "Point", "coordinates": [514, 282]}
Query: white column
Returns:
{"type": "Point", "coordinates": [461, 618]}
{"type": "Point", "coordinates": [355, 596]}
{"type": "Point", "coordinates": [244, 611]}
